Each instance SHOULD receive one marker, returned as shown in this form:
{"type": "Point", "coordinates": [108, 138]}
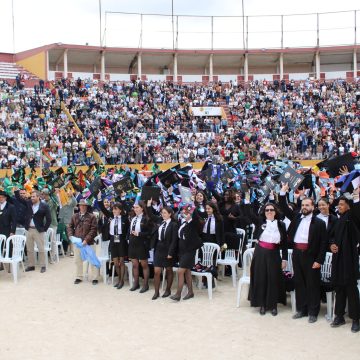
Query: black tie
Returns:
{"type": "Point", "coordinates": [208, 226]}
{"type": "Point", "coordinates": [162, 235]}
{"type": "Point", "coordinates": [116, 226]}
{"type": "Point", "coordinates": [134, 224]}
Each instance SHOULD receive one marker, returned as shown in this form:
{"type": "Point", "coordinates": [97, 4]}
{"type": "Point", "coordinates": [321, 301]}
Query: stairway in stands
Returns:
{"type": "Point", "coordinates": [226, 108]}
{"type": "Point", "coordinates": [9, 71]}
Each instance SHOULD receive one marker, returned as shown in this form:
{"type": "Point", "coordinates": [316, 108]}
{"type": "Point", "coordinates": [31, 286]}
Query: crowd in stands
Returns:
{"type": "Point", "coordinates": [146, 122]}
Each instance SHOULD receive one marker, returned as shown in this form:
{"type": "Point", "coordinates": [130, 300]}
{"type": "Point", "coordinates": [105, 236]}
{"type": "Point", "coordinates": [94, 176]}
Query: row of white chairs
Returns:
{"type": "Point", "coordinates": [18, 242]}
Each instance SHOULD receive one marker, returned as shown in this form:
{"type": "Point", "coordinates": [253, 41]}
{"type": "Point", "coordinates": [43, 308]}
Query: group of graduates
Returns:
{"type": "Point", "coordinates": [176, 211]}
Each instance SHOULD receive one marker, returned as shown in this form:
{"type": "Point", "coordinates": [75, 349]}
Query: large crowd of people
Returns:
{"type": "Point", "coordinates": [147, 121]}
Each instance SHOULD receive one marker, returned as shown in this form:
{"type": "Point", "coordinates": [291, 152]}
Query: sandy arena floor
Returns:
{"type": "Point", "coordinates": [45, 316]}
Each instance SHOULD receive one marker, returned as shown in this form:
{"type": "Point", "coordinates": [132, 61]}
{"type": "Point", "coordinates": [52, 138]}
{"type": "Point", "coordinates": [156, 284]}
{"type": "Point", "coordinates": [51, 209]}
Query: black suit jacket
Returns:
{"type": "Point", "coordinates": [317, 237]}
{"type": "Point", "coordinates": [169, 245]}
{"type": "Point", "coordinates": [192, 240]}
{"type": "Point", "coordinates": [219, 232]}
{"type": "Point", "coordinates": [8, 220]}
{"type": "Point", "coordinates": [42, 218]}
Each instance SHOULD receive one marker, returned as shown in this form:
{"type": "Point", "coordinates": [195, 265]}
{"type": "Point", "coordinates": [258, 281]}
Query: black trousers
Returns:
{"type": "Point", "coordinates": [351, 294]}
{"type": "Point", "coordinates": [307, 283]}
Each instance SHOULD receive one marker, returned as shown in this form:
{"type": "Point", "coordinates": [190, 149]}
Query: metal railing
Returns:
{"type": "Point", "coordinates": [230, 32]}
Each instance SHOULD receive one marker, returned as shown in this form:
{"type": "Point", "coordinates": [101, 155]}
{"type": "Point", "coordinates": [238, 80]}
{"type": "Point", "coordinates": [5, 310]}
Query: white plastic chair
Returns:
{"type": "Point", "coordinates": [245, 278]}
{"type": "Point", "coordinates": [57, 244]}
{"type": "Point", "coordinates": [325, 278]}
{"type": "Point", "coordinates": [104, 256]}
{"type": "Point", "coordinates": [208, 251]}
{"type": "Point", "coordinates": [47, 245]}
{"type": "Point", "coordinates": [20, 231]}
{"type": "Point", "coordinates": [18, 246]}
{"type": "Point", "coordinates": [231, 258]}
{"type": "Point", "coordinates": [251, 239]}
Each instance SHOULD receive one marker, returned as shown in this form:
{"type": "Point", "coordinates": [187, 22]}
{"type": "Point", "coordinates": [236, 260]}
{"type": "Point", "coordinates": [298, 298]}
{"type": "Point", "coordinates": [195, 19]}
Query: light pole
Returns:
{"type": "Point", "coordinates": [100, 16]}
{"type": "Point", "coordinates": [13, 24]}
{"type": "Point", "coordinates": [172, 23]}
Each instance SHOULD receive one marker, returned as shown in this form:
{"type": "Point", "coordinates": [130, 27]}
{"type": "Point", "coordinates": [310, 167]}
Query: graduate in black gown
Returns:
{"type": "Point", "coordinates": [139, 244]}
{"type": "Point", "coordinates": [188, 242]}
{"type": "Point", "coordinates": [267, 287]}
{"type": "Point", "coordinates": [165, 247]}
{"type": "Point", "coordinates": [344, 240]}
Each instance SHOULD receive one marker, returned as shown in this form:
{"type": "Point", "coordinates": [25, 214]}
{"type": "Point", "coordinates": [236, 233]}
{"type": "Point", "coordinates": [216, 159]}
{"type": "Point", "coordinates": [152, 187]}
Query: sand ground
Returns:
{"type": "Point", "coordinates": [46, 316]}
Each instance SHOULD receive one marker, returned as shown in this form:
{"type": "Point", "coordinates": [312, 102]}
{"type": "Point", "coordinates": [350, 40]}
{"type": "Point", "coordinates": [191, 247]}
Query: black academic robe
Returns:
{"type": "Point", "coordinates": [346, 235]}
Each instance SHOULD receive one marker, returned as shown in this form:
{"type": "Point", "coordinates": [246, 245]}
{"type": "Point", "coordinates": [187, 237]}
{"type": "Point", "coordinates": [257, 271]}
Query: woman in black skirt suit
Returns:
{"type": "Point", "coordinates": [139, 235]}
{"type": "Point", "coordinates": [165, 250]}
{"type": "Point", "coordinates": [116, 226]}
{"type": "Point", "coordinates": [119, 227]}
{"type": "Point", "coordinates": [188, 242]}
{"type": "Point", "coordinates": [267, 287]}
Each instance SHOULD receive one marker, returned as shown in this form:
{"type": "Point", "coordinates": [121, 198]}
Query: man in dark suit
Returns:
{"type": "Point", "coordinates": [307, 236]}
{"type": "Point", "coordinates": [38, 221]}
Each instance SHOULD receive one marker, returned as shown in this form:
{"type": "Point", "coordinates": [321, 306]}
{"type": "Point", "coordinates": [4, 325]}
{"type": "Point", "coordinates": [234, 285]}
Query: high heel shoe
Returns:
{"type": "Point", "coordinates": [188, 296]}
{"type": "Point", "coordinates": [144, 289]}
{"type": "Point", "coordinates": [166, 294]}
{"type": "Point", "coordinates": [175, 297]}
{"type": "Point", "coordinates": [119, 285]}
{"type": "Point", "coordinates": [155, 296]}
{"type": "Point", "coordinates": [274, 312]}
{"type": "Point", "coordinates": [135, 287]}
{"type": "Point", "coordinates": [262, 311]}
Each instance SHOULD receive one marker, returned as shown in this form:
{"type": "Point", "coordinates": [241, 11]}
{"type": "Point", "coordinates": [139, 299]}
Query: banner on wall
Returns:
{"type": "Point", "coordinates": [206, 111]}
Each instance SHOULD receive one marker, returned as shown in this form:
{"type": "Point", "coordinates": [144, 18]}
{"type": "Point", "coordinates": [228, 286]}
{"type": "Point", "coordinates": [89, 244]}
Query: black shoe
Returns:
{"type": "Point", "coordinates": [43, 269]}
{"type": "Point", "coordinates": [95, 282]}
{"type": "Point", "coordinates": [135, 287]}
{"type": "Point", "coordinates": [299, 315]}
{"type": "Point", "coordinates": [30, 268]}
{"type": "Point", "coordinates": [144, 289]}
{"type": "Point", "coordinates": [188, 296]}
{"type": "Point", "coordinates": [166, 294]}
{"type": "Point", "coordinates": [355, 326]}
{"type": "Point", "coordinates": [116, 285]}
{"type": "Point", "coordinates": [338, 321]}
{"type": "Point", "coordinates": [119, 285]}
{"type": "Point", "coordinates": [312, 319]}
{"type": "Point", "coordinates": [262, 311]}
{"type": "Point", "coordinates": [155, 296]}
{"type": "Point", "coordinates": [176, 298]}
{"type": "Point", "coordinates": [77, 281]}
{"type": "Point", "coordinates": [274, 312]}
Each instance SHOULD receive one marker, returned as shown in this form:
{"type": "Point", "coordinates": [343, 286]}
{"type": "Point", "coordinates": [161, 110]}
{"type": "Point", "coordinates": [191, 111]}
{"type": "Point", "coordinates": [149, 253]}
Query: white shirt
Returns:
{"type": "Point", "coordinates": [167, 222]}
{"type": "Point", "coordinates": [2, 206]}
{"type": "Point", "coordinates": [324, 218]}
{"type": "Point", "coordinates": [112, 226]}
{"type": "Point", "coordinates": [212, 225]}
{"type": "Point", "coordinates": [137, 226]}
{"type": "Point", "coordinates": [302, 232]}
{"type": "Point", "coordinates": [182, 226]}
{"type": "Point", "coordinates": [271, 233]}
{"type": "Point", "coordinates": [35, 209]}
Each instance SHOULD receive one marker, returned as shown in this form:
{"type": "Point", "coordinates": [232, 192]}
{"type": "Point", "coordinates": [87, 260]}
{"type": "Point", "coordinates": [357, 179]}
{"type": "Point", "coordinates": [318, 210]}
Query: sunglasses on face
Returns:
{"type": "Point", "coordinates": [269, 210]}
